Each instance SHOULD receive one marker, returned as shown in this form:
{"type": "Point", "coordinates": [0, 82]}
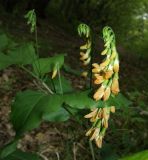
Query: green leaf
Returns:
{"type": "Point", "coordinates": [46, 65]}
{"type": "Point", "coordinates": [8, 149]}
{"type": "Point", "coordinates": [59, 116]}
{"type": "Point", "coordinates": [29, 108]}
{"type": "Point", "coordinates": [23, 54]}
{"type": "Point", "coordinates": [23, 108]}
{"type": "Point", "coordinates": [20, 55]}
{"type": "Point", "coordinates": [19, 155]}
{"type": "Point", "coordinates": [137, 156]}
{"type": "Point", "coordinates": [81, 100]}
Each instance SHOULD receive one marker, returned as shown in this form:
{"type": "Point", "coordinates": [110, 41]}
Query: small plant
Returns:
{"type": "Point", "coordinates": [53, 98]}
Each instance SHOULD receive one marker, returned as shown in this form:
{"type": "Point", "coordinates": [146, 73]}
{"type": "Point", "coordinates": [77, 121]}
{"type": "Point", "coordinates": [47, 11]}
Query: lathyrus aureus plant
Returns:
{"type": "Point", "coordinates": [106, 79]}
{"type": "Point", "coordinates": [85, 50]}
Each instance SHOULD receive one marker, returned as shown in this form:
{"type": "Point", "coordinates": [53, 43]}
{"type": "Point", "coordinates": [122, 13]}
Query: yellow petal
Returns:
{"type": "Point", "coordinates": [115, 86]}
{"type": "Point", "coordinates": [108, 74]}
{"type": "Point", "coordinates": [84, 74]}
{"type": "Point", "coordinates": [95, 134]}
{"type": "Point", "coordinates": [91, 114]}
{"type": "Point", "coordinates": [106, 94]}
{"type": "Point", "coordinates": [99, 93]}
{"type": "Point", "coordinates": [105, 63]}
{"type": "Point", "coordinates": [112, 109]}
{"type": "Point", "coordinates": [54, 73]}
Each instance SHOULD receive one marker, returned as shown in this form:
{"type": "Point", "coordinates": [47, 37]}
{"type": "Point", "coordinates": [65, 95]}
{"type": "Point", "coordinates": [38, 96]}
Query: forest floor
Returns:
{"type": "Point", "coordinates": [67, 140]}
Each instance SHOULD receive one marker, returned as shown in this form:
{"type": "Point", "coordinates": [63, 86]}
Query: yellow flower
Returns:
{"type": "Point", "coordinates": [99, 93]}
{"type": "Point", "coordinates": [96, 68]}
{"type": "Point", "coordinates": [105, 63]}
{"type": "Point", "coordinates": [116, 65]}
{"type": "Point", "coordinates": [95, 133]}
{"type": "Point", "coordinates": [107, 93]}
{"type": "Point", "coordinates": [84, 74]}
{"type": "Point", "coordinates": [92, 114]}
{"type": "Point", "coordinates": [112, 109]}
{"type": "Point", "coordinates": [115, 86]}
{"type": "Point", "coordinates": [54, 73]}
{"type": "Point", "coordinates": [99, 79]}
{"type": "Point", "coordinates": [108, 74]}
{"type": "Point", "coordinates": [99, 141]}
{"type": "Point", "coordinates": [86, 62]}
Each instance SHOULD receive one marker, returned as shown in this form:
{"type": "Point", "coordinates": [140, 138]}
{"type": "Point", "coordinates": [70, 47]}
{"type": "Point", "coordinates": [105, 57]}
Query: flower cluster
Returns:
{"type": "Point", "coordinates": [106, 77]}
{"type": "Point", "coordinates": [99, 118]}
{"type": "Point", "coordinates": [106, 73]}
{"type": "Point", "coordinates": [85, 49]}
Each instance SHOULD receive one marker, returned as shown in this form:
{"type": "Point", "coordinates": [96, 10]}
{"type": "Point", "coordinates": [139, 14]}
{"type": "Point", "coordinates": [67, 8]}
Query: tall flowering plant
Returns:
{"type": "Point", "coordinates": [105, 78]}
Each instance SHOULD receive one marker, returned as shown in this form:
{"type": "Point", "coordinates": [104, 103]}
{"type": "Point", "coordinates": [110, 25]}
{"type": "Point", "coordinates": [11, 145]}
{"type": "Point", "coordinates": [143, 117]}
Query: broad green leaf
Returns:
{"type": "Point", "coordinates": [23, 108]}
{"type": "Point", "coordinates": [20, 55]}
{"type": "Point", "coordinates": [46, 65]}
{"type": "Point", "coordinates": [81, 100]}
{"type": "Point", "coordinates": [19, 155]}
{"type": "Point", "coordinates": [8, 149]}
{"type": "Point", "coordinates": [59, 116]}
{"type": "Point", "coordinates": [137, 156]}
{"type": "Point", "coordinates": [23, 54]}
{"type": "Point", "coordinates": [29, 108]}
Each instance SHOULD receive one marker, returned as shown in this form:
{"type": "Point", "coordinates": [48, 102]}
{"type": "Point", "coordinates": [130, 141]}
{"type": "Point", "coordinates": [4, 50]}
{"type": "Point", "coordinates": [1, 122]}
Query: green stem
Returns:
{"type": "Point", "coordinates": [33, 75]}
{"type": "Point", "coordinates": [92, 150]}
{"type": "Point", "coordinates": [59, 76]}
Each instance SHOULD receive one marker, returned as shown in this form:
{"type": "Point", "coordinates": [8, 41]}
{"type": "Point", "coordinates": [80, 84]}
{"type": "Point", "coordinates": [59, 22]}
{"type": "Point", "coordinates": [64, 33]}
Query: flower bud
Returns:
{"type": "Point", "coordinates": [99, 93]}
{"type": "Point", "coordinates": [115, 86]}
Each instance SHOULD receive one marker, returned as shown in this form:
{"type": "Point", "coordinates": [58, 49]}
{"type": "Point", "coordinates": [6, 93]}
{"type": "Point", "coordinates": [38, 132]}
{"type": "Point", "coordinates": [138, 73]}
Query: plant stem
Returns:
{"type": "Point", "coordinates": [92, 150]}
{"type": "Point", "coordinates": [33, 75]}
{"type": "Point", "coordinates": [59, 76]}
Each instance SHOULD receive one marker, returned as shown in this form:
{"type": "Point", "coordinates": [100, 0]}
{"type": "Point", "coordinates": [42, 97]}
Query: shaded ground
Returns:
{"type": "Point", "coordinates": [67, 140]}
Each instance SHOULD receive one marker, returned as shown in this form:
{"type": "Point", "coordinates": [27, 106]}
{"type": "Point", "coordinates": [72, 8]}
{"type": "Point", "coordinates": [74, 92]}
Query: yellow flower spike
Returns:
{"type": "Point", "coordinates": [91, 114]}
{"type": "Point", "coordinates": [107, 93]}
{"type": "Point", "coordinates": [115, 86]}
{"type": "Point", "coordinates": [99, 93]}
